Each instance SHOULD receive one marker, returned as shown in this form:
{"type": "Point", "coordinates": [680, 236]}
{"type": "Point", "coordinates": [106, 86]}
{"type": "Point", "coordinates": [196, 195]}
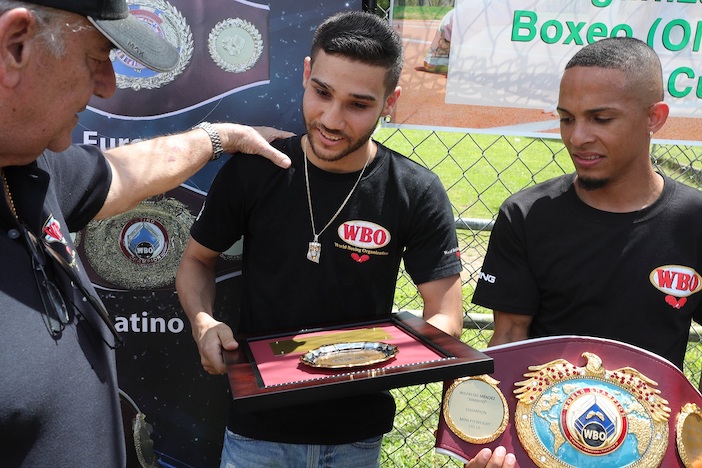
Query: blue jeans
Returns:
{"type": "Point", "coordinates": [242, 452]}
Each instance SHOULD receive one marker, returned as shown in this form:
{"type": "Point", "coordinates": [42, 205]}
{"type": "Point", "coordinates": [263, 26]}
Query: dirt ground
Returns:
{"type": "Point", "coordinates": [424, 94]}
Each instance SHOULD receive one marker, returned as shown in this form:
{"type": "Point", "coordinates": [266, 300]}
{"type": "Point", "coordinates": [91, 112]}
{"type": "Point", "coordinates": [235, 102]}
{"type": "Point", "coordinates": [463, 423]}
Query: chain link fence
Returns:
{"type": "Point", "coordinates": [479, 172]}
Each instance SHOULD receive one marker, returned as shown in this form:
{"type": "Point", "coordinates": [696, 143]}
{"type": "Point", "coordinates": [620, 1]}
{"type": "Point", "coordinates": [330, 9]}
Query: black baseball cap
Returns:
{"type": "Point", "coordinates": [126, 32]}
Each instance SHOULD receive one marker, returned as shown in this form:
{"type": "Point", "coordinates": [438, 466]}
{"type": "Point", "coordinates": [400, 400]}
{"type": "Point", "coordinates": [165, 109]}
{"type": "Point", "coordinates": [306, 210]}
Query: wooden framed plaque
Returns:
{"type": "Point", "coordinates": [267, 371]}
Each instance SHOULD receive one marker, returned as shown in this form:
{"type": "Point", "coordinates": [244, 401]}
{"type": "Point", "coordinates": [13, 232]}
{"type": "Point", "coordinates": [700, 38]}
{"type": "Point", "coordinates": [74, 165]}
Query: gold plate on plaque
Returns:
{"type": "Point", "coordinates": [475, 409]}
{"type": "Point", "coordinates": [357, 354]}
{"type": "Point", "coordinates": [688, 435]}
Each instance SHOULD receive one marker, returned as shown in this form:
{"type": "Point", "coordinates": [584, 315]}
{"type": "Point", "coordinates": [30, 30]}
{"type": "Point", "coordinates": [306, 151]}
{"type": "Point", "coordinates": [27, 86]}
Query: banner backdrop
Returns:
{"type": "Point", "coordinates": [507, 57]}
{"type": "Point", "coordinates": [531, 41]}
{"type": "Point", "coordinates": [240, 61]}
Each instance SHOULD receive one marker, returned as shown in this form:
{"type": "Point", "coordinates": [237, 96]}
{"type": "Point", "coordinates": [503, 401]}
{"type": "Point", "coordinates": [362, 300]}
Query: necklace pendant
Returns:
{"type": "Point", "coordinates": [314, 251]}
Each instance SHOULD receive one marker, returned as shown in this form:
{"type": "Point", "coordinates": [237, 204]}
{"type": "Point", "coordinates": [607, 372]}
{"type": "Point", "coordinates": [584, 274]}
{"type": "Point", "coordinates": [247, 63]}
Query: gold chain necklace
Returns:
{"type": "Point", "coordinates": [314, 250]}
{"type": "Point", "coordinates": [8, 195]}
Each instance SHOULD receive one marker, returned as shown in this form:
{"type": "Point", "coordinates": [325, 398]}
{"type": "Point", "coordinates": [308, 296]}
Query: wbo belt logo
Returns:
{"type": "Point", "coordinates": [586, 416]}
{"type": "Point", "coordinates": [677, 282]}
{"type": "Point", "coordinates": [594, 421]}
{"type": "Point", "coordinates": [144, 240]}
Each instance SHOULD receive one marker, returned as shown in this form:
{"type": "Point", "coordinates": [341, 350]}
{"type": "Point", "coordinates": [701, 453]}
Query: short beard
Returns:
{"type": "Point", "coordinates": [591, 184]}
{"type": "Point", "coordinates": [354, 145]}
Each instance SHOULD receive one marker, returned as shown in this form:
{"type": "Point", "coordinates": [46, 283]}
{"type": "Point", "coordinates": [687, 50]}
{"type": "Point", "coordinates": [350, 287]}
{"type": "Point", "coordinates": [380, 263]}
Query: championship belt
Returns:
{"type": "Point", "coordinates": [575, 402]}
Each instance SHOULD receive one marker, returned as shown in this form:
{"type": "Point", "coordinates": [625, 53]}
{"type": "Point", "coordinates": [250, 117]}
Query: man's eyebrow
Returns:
{"type": "Point", "coordinates": [588, 111]}
{"type": "Point", "coordinates": [362, 97]}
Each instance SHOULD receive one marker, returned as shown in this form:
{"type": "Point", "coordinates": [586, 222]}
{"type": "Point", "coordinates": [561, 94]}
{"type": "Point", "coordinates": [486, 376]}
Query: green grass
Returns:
{"type": "Point", "coordinates": [480, 171]}
{"type": "Point", "coordinates": [419, 12]}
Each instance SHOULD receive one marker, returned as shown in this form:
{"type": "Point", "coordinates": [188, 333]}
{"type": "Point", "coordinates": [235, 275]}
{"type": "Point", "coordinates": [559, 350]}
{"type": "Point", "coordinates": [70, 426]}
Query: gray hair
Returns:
{"type": "Point", "coordinates": [50, 22]}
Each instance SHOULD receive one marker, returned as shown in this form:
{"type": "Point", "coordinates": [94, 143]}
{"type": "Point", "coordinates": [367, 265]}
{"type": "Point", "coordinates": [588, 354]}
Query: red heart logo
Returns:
{"type": "Point", "coordinates": [675, 302]}
{"type": "Point", "coordinates": [360, 258]}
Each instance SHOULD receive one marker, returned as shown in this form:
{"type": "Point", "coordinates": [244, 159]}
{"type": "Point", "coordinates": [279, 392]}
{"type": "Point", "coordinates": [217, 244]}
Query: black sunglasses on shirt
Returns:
{"type": "Point", "coordinates": [56, 312]}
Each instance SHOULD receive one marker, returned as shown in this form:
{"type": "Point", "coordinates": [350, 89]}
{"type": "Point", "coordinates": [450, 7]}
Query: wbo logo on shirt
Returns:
{"type": "Point", "coordinates": [364, 234]}
{"type": "Point", "coordinates": [363, 239]}
{"type": "Point", "coordinates": [677, 282]}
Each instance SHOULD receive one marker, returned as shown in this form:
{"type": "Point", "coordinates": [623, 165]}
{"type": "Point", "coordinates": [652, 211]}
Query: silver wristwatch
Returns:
{"type": "Point", "coordinates": [217, 149]}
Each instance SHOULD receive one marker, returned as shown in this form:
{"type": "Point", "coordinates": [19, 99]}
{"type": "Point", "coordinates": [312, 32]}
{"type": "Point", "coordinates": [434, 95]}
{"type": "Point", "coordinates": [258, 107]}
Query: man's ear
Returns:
{"type": "Point", "coordinates": [15, 31]}
{"type": "Point", "coordinates": [307, 70]}
{"type": "Point", "coordinates": [657, 116]}
{"type": "Point", "coordinates": [391, 101]}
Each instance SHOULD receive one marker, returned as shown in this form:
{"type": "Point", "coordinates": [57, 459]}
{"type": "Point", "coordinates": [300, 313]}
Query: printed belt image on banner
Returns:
{"type": "Point", "coordinates": [132, 260]}
{"type": "Point", "coordinates": [219, 54]}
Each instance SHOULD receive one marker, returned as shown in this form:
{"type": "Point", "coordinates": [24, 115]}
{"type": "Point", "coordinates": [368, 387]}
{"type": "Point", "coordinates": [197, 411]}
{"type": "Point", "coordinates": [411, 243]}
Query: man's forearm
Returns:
{"type": "Point", "coordinates": [151, 167]}
{"type": "Point", "coordinates": [443, 306]}
{"type": "Point", "coordinates": [195, 284]}
{"type": "Point", "coordinates": [509, 327]}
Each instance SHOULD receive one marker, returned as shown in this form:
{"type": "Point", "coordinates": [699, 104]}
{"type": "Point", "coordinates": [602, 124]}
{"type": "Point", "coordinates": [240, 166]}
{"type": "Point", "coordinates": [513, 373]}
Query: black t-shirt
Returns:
{"type": "Point", "coordinates": [58, 397]}
{"type": "Point", "coordinates": [631, 277]}
{"type": "Point", "coordinates": [399, 211]}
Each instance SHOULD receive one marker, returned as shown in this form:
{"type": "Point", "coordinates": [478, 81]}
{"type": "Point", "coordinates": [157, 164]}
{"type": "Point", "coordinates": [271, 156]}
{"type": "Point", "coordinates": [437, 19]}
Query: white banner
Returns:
{"type": "Point", "coordinates": [512, 53]}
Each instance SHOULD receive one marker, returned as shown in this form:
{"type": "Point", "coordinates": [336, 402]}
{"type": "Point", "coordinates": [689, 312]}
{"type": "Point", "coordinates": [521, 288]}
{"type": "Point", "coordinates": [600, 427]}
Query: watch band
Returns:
{"type": "Point", "coordinates": [217, 149]}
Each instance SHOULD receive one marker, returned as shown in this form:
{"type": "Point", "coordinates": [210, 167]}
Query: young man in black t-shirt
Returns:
{"type": "Point", "coordinates": [323, 242]}
{"type": "Point", "coordinates": [613, 250]}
